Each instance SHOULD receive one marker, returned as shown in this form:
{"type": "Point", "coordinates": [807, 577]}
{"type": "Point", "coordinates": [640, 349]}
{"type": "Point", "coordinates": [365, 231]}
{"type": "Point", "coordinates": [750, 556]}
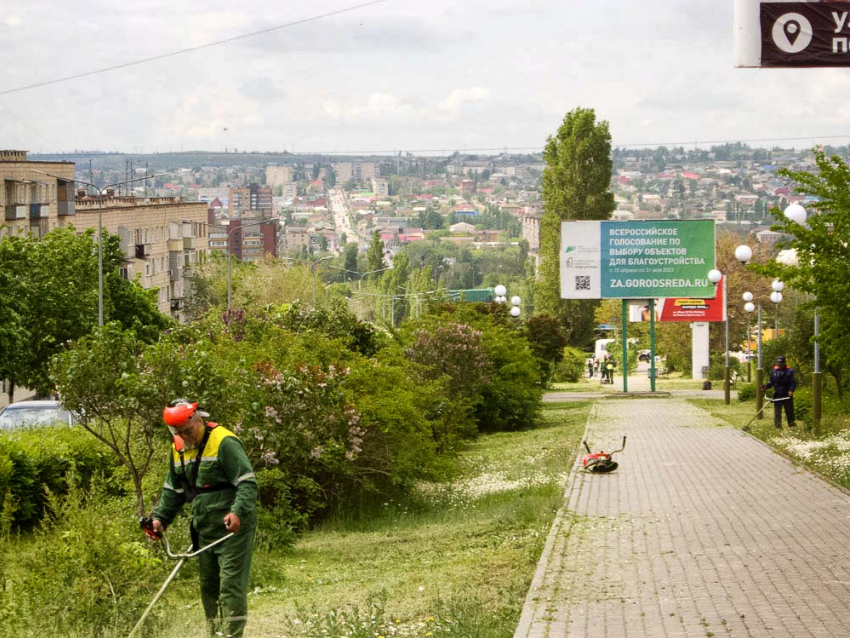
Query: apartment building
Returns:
{"type": "Point", "coordinates": [356, 171]}
{"type": "Point", "coordinates": [162, 239]}
{"type": "Point", "coordinates": [246, 239]}
{"type": "Point", "coordinates": [295, 238]}
{"type": "Point", "coordinates": [279, 175]}
{"type": "Point", "coordinates": [36, 196]}
{"type": "Point", "coordinates": [209, 194]}
{"type": "Point", "coordinates": [255, 200]}
{"type": "Point", "coordinates": [531, 229]}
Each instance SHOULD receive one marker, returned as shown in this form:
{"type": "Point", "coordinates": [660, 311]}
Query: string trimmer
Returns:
{"type": "Point", "coordinates": [767, 400]}
{"type": "Point", "coordinates": [601, 462]}
{"type": "Point", "coordinates": [147, 525]}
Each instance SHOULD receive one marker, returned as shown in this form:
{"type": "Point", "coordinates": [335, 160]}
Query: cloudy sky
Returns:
{"type": "Point", "coordinates": [399, 75]}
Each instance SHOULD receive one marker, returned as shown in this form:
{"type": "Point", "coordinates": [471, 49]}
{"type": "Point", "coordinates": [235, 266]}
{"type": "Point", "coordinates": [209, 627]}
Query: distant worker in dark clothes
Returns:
{"type": "Point", "coordinates": [783, 383]}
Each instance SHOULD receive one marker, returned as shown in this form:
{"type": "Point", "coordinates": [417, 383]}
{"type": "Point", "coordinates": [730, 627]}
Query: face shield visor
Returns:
{"type": "Point", "coordinates": [178, 415]}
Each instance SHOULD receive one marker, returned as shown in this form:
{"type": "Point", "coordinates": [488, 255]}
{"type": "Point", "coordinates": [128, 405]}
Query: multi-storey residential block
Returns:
{"type": "Point", "coordinates": [344, 172]}
{"type": "Point", "coordinates": [221, 193]}
{"type": "Point", "coordinates": [255, 199]}
{"type": "Point", "coordinates": [34, 202]}
{"type": "Point", "coordinates": [247, 239]}
{"type": "Point", "coordinates": [295, 238]}
{"type": "Point", "coordinates": [531, 229]}
{"type": "Point", "coordinates": [356, 171]}
{"type": "Point", "coordinates": [162, 240]}
{"type": "Point", "coordinates": [279, 175]}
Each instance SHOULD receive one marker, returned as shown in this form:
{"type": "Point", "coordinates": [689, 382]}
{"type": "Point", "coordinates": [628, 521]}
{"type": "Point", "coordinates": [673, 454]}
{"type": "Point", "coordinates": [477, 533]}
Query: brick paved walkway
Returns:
{"type": "Point", "coordinates": [703, 531]}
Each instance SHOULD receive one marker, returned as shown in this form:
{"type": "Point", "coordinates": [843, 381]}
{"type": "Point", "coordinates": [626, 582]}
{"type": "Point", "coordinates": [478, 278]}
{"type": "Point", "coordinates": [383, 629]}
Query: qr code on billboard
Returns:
{"type": "Point", "coordinates": [582, 282]}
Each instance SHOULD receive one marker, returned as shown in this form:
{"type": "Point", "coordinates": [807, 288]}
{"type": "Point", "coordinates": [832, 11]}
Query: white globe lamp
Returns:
{"type": "Point", "coordinates": [714, 276]}
{"type": "Point", "coordinates": [500, 290]}
{"type": "Point", "coordinates": [743, 253]}
{"type": "Point", "coordinates": [515, 311]}
{"type": "Point", "coordinates": [748, 296]}
{"type": "Point", "coordinates": [796, 214]}
{"type": "Point", "coordinates": [515, 301]}
{"type": "Point", "coordinates": [776, 296]}
{"type": "Point", "coordinates": [777, 285]}
{"type": "Point", "coordinates": [749, 306]}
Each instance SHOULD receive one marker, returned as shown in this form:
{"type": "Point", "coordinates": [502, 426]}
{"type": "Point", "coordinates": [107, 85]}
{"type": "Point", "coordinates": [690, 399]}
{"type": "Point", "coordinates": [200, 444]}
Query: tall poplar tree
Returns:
{"type": "Point", "coordinates": [375, 255]}
{"type": "Point", "coordinates": [576, 185]}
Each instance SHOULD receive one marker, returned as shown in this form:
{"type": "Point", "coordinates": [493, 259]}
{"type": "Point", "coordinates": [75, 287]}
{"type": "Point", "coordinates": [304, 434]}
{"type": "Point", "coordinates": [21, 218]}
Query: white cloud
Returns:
{"type": "Point", "coordinates": [456, 99]}
{"type": "Point", "coordinates": [442, 74]}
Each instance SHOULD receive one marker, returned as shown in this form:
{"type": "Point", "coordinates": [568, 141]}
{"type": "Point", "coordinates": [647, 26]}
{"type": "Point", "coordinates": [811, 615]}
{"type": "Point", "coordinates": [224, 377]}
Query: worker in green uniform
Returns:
{"type": "Point", "coordinates": [209, 469]}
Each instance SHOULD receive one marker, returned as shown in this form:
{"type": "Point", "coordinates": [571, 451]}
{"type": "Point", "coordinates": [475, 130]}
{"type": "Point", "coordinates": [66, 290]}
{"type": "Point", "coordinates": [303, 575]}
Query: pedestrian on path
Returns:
{"type": "Point", "coordinates": [609, 366]}
{"type": "Point", "coordinates": [209, 469]}
{"type": "Point", "coordinates": [783, 383]}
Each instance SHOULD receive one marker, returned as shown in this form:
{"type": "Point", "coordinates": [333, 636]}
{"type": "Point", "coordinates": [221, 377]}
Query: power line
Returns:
{"type": "Point", "coordinates": [192, 49]}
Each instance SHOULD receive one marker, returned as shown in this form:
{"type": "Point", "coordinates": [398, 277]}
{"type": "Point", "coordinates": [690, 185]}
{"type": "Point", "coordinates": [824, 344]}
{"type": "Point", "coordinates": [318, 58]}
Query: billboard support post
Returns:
{"type": "Point", "coordinates": [625, 346]}
{"type": "Point", "coordinates": [652, 345]}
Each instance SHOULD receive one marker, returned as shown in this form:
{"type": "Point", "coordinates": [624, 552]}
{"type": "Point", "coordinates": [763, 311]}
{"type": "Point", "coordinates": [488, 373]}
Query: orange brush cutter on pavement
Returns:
{"type": "Point", "coordinates": [601, 462]}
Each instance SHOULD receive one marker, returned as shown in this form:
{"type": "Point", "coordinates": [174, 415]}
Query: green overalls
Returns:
{"type": "Point", "coordinates": [225, 483]}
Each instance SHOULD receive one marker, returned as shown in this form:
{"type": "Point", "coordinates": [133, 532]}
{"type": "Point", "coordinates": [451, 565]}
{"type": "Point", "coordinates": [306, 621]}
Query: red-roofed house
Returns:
{"type": "Point", "coordinates": [690, 176]}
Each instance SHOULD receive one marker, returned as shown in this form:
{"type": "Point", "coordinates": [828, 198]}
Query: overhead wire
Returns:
{"type": "Point", "coordinates": [200, 47]}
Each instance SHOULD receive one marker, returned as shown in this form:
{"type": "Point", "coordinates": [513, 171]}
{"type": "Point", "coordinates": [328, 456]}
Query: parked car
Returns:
{"type": "Point", "coordinates": [34, 414]}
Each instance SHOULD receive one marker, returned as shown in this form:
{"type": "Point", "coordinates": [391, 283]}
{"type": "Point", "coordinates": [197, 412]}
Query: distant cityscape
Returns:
{"type": "Point", "coordinates": [253, 205]}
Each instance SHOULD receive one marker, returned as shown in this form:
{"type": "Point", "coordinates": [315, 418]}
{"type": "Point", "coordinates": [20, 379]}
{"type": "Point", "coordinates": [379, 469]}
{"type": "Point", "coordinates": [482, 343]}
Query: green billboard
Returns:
{"type": "Point", "coordinates": [636, 259]}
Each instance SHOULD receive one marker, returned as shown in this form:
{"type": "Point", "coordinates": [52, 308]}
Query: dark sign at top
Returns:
{"type": "Point", "coordinates": [805, 34]}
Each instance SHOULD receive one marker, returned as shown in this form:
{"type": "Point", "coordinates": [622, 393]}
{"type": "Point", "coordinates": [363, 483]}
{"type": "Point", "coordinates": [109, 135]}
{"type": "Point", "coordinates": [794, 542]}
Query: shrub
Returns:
{"type": "Point", "coordinates": [572, 367]}
{"type": "Point", "coordinates": [746, 392]}
{"type": "Point", "coordinates": [84, 572]}
{"type": "Point", "coordinates": [39, 461]}
{"type": "Point", "coordinates": [455, 350]}
{"type": "Point", "coordinates": [547, 339]}
{"type": "Point", "coordinates": [511, 398]}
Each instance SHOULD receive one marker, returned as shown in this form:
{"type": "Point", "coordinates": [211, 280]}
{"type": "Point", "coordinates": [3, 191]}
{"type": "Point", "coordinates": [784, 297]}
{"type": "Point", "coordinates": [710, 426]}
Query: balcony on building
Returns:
{"type": "Point", "coordinates": [15, 211]}
{"type": "Point", "coordinates": [65, 199]}
{"type": "Point", "coordinates": [39, 211]}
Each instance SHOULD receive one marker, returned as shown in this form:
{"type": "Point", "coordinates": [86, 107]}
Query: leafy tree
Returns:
{"type": "Point", "coordinates": [59, 275]}
{"type": "Point", "coordinates": [823, 251]}
{"type": "Point", "coordinates": [114, 397]}
{"type": "Point", "coordinates": [575, 186]}
{"type": "Point", "coordinates": [547, 339]}
{"type": "Point", "coordinates": [375, 254]}
{"type": "Point", "coordinates": [350, 261]}
{"type": "Point", "coordinates": [14, 336]}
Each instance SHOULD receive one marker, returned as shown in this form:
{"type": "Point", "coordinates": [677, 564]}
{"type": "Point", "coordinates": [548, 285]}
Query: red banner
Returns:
{"type": "Point", "coordinates": [683, 309]}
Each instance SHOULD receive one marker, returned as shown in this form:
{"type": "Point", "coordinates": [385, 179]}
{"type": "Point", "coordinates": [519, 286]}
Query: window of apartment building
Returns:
{"type": "Point", "coordinates": [148, 268]}
{"type": "Point", "coordinates": [124, 272]}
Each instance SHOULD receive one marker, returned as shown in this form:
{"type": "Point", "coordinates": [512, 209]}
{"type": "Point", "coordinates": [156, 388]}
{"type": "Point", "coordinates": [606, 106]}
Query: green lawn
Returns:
{"type": "Point", "coordinates": [456, 559]}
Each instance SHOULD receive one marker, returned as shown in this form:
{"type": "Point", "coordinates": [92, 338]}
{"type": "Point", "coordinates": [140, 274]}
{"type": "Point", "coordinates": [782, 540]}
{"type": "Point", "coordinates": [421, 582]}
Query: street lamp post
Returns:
{"type": "Point", "coordinates": [744, 254]}
{"type": "Point", "coordinates": [797, 214]}
{"type": "Point", "coordinates": [313, 270]}
{"type": "Point", "coordinates": [392, 305]}
{"type": "Point", "coordinates": [748, 308]}
{"type": "Point", "coordinates": [101, 193]}
{"type": "Point", "coordinates": [776, 297]}
{"type": "Point", "coordinates": [715, 276]}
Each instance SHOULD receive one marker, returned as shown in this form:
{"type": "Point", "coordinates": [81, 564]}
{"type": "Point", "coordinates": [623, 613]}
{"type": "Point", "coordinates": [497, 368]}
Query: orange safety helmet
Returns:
{"type": "Point", "coordinates": [179, 413]}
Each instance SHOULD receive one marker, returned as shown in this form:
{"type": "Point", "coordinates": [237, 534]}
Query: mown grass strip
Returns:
{"type": "Point", "coordinates": [454, 559]}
